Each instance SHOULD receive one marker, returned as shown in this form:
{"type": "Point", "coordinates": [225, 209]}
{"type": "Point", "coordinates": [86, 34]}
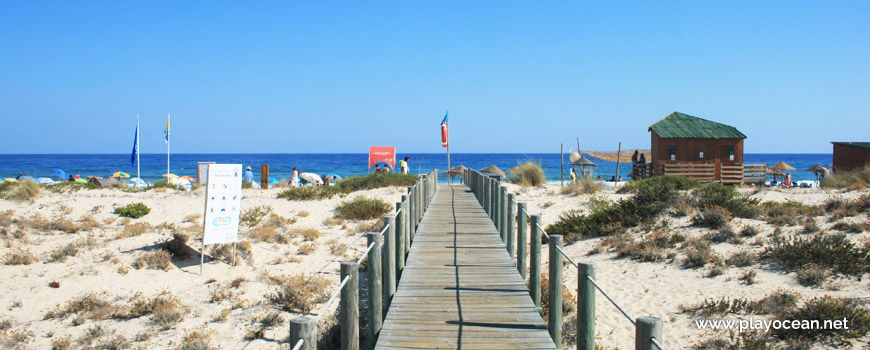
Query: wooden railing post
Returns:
{"type": "Point", "coordinates": [511, 222]}
{"type": "Point", "coordinates": [554, 323]}
{"type": "Point", "coordinates": [376, 297]}
{"type": "Point", "coordinates": [304, 328]}
{"type": "Point", "coordinates": [647, 327]}
{"type": "Point", "coordinates": [348, 316]}
{"type": "Point", "coordinates": [522, 239]}
{"type": "Point", "coordinates": [486, 194]}
{"type": "Point", "coordinates": [404, 225]}
{"type": "Point", "coordinates": [400, 242]}
{"type": "Point", "coordinates": [535, 261]}
{"type": "Point", "coordinates": [389, 263]}
{"type": "Point", "coordinates": [494, 200]}
{"type": "Point", "coordinates": [420, 206]}
{"type": "Point", "coordinates": [503, 215]}
{"type": "Point", "coordinates": [585, 306]}
{"type": "Point", "coordinates": [413, 207]}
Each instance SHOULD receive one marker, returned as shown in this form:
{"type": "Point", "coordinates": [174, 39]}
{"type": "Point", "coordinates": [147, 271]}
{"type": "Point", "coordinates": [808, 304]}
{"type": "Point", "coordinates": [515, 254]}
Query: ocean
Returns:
{"type": "Point", "coordinates": [154, 165]}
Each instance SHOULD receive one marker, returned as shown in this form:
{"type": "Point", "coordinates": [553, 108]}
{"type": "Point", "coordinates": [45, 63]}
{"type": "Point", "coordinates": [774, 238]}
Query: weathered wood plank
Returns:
{"type": "Point", "coordinates": [460, 288]}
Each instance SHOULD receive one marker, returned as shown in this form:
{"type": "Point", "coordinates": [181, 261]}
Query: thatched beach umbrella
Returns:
{"type": "Point", "coordinates": [513, 170]}
{"type": "Point", "coordinates": [819, 171]}
{"type": "Point", "coordinates": [782, 166]}
{"type": "Point", "coordinates": [583, 163]}
{"type": "Point", "coordinates": [456, 171]}
{"type": "Point", "coordinates": [492, 169]}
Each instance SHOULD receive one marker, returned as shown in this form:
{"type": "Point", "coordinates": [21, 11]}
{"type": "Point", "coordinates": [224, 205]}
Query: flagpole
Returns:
{"type": "Point", "coordinates": [138, 175]}
{"type": "Point", "coordinates": [167, 145]}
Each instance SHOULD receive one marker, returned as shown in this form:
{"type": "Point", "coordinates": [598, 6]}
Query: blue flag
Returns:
{"type": "Point", "coordinates": [135, 146]}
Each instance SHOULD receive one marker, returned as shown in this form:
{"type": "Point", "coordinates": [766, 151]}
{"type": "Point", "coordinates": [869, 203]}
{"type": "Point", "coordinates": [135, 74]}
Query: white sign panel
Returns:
{"type": "Point", "coordinates": [223, 199]}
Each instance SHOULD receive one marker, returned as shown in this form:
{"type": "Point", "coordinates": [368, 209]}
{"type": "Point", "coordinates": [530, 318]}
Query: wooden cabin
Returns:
{"type": "Point", "coordinates": [851, 155]}
{"type": "Point", "coordinates": [685, 145]}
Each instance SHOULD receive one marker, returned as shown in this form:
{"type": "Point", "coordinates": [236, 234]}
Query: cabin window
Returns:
{"type": "Point", "coordinates": [701, 155]}
{"type": "Point", "coordinates": [673, 153]}
{"type": "Point", "coordinates": [731, 155]}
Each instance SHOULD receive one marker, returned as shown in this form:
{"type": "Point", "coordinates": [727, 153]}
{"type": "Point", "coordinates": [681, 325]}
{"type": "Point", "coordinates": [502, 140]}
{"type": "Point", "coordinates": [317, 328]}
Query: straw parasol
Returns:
{"type": "Point", "coordinates": [613, 156]}
{"type": "Point", "coordinates": [819, 170]}
{"type": "Point", "coordinates": [455, 171]}
{"type": "Point", "coordinates": [513, 170]}
{"type": "Point", "coordinates": [782, 166]}
{"type": "Point", "coordinates": [492, 169]}
{"type": "Point", "coordinates": [583, 163]}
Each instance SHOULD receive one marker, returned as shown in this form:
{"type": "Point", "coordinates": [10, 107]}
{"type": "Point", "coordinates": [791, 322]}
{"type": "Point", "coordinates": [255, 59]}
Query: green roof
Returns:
{"type": "Point", "coordinates": [853, 144]}
{"type": "Point", "coordinates": [679, 125]}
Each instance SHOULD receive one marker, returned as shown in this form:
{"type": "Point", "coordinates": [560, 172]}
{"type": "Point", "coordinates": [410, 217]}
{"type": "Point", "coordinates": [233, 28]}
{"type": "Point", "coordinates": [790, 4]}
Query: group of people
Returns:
{"type": "Point", "coordinates": [403, 167]}
{"type": "Point", "coordinates": [638, 166]}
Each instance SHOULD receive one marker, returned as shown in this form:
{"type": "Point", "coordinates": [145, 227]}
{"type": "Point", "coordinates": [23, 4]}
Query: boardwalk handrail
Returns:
{"type": "Point", "coordinates": [383, 274]}
{"type": "Point", "coordinates": [499, 204]}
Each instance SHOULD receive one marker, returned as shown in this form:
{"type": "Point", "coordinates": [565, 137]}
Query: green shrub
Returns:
{"type": "Point", "coordinates": [66, 186]}
{"type": "Point", "coordinates": [714, 217]}
{"type": "Point", "coordinates": [606, 218]}
{"type": "Point", "coordinates": [373, 181]}
{"type": "Point", "coordinates": [656, 246]}
{"type": "Point", "coordinates": [858, 179]}
{"type": "Point", "coordinates": [135, 211]}
{"type": "Point", "coordinates": [361, 208]}
{"type": "Point", "coordinates": [251, 217]}
{"type": "Point", "coordinates": [827, 308]}
{"type": "Point", "coordinates": [832, 251]}
{"type": "Point", "coordinates": [529, 174]}
{"type": "Point", "coordinates": [309, 193]}
{"type": "Point", "coordinates": [749, 231]}
{"type": "Point", "coordinates": [718, 195]}
{"type": "Point", "coordinates": [163, 184]}
{"type": "Point", "coordinates": [741, 259]}
{"type": "Point", "coordinates": [678, 183]}
{"type": "Point", "coordinates": [722, 235]}
{"type": "Point", "coordinates": [585, 186]}
{"type": "Point", "coordinates": [812, 275]}
{"type": "Point", "coordinates": [247, 185]}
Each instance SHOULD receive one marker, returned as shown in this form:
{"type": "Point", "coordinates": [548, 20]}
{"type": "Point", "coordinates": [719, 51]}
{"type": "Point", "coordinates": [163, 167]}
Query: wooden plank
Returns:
{"type": "Point", "coordinates": [460, 288]}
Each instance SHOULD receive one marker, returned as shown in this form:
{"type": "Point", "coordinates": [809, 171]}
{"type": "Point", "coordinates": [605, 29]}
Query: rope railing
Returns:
{"type": "Point", "coordinates": [499, 205]}
{"type": "Point", "coordinates": [299, 344]}
{"type": "Point", "coordinates": [331, 299]}
{"type": "Point", "coordinates": [618, 307]}
{"type": "Point", "coordinates": [372, 245]}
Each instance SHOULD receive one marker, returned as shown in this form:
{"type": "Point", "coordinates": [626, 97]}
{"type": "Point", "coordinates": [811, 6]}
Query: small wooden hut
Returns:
{"type": "Point", "coordinates": [685, 145]}
{"type": "Point", "coordinates": [851, 155]}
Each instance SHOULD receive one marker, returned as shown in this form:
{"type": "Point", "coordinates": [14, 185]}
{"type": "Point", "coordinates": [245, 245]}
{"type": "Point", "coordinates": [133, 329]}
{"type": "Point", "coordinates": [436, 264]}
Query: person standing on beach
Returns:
{"type": "Point", "coordinates": [386, 169]}
{"type": "Point", "coordinates": [377, 169]}
{"type": "Point", "coordinates": [573, 175]}
{"type": "Point", "coordinates": [294, 178]}
{"type": "Point", "coordinates": [403, 165]}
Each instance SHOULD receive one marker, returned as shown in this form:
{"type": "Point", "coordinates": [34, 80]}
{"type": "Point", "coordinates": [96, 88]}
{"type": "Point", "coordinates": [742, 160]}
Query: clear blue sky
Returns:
{"type": "Point", "coordinates": [312, 76]}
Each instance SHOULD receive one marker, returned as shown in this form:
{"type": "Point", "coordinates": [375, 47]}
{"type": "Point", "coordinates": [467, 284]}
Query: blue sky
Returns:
{"type": "Point", "coordinates": [308, 77]}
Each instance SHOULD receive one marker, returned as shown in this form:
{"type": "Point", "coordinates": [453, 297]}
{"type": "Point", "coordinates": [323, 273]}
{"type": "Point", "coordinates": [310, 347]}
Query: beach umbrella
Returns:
{"type": "Point", "coordinates": [137, 183]}
{"type": "Point", "coordinates": [333, 177]}
{"type": "Point", "coordinates": [513, 170]}
{"type": "Point", "coordinates": [44, 180]}
{"type": "Point", "coordinates": [61, 173]}
{"type": "Point", "coordinates": [82, 181]}
{"type": "Point", "coordinates": [170, 176]}
{"type": "Point", "coordinates": [25, 178]}
{"type": "Point", "coordinates": [9, 179]}
{"type": "Point", "coordinates": [782, 166]}
{"type": "Point", "coordinates": [311, 177]}
{"type": "Point", "coordinates": [273, 180]}
{"type": "Point", "coordinates": [455, 171]}
{"type": "Point", "coordinates": [818, 169]}
{"type": "Point", "coordinates": [121, 175]}
{"type": "Point", "coordinates": [583, 162]}
{"type": "Point", "coordinates": [492, 169]}
{"type": "Point", "coordinates": [188, 178]}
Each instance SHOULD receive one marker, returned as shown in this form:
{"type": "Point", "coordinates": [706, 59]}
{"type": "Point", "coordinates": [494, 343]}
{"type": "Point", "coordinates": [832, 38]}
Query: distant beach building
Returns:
{"type": "Point", "coordinates": [690, 146]}
{"type": "Point", "coordinates": [851, 155]}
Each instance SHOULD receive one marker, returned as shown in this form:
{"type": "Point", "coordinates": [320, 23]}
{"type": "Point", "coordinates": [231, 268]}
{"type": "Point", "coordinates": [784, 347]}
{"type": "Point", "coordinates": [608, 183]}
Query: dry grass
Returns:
{"type": "Point", "coordinates": [336, 247]}
{"type": "Point", "coordinates": [333, 221]}
{"type": "Point", "coordinates": [584, 186]}
{"type": "Point", "coordinates": [279, 221]}
{"type": "Point", "coordinates": [90, 306]}
{"type": "Point", "coordinates": [197, 339]}
{"type": "Point", "coordinates": [36, 222]}
{"type": "Point", "coordinates": [88, 223]}
{"type": "Point", "coordinates": [303, 214]}
{"type": "Point", "coordinates": [157, 259]}
{"type": "Point", "coordinates": [306, 248]}
{"type": "Point", "coordinates": [61, 253]}
{"type": "Point", "coordinates": [64, 225]}
{"type": "Point", "coordinates": [299, 293]}
{"type": "Point", "coordinates": [529, 174]}
{"type": "Point", "coordinates": [192, 219]}
{"type": "Point", "coordinates": [858, 179]}
{"type": "Point", "coordinates": [23, 191]}
{"type": "Point", "coordinates": [224, 252]}
{"type": "Point", "coordinates": [6, 218]}
{"type": "Point", "coordinates": [134, 230]}
{"type": "Point", "coordinates": [165, 309]}
{"type": "Point", "coordinates": [257, 326]}
{"type": "Point", "coordinates": [19, 257]}
{"type": "Point", "coordinates": [309, 234]}
{"type": "Point", "coordinates": [176, 246]}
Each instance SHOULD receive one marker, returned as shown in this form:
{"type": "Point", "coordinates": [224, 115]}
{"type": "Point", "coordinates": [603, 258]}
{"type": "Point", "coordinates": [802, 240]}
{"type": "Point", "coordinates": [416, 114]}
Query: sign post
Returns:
{"type": "Point", "coordinates": [223, 199]}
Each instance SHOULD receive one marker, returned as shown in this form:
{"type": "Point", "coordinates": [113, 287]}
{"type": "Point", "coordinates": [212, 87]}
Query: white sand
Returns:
{"type": "Point", "coordinates": [656, 289]}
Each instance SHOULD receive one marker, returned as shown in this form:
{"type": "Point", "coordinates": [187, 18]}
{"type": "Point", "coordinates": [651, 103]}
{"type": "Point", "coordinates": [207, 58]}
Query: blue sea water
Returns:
{"type": "Point", "coordinates": [154, 165]}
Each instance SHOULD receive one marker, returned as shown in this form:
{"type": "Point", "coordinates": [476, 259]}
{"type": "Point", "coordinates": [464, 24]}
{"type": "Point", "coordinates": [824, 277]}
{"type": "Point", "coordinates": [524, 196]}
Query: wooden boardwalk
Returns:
{"type": "Point", "coordinates": [460, 289]}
